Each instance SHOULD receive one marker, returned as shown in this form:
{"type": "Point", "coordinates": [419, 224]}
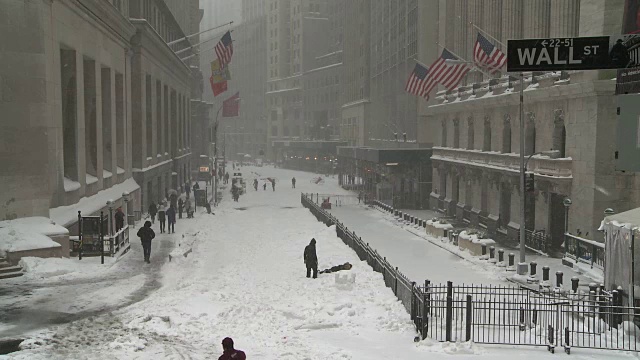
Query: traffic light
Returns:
{"type": "Point", "coordinates": [529, 183]}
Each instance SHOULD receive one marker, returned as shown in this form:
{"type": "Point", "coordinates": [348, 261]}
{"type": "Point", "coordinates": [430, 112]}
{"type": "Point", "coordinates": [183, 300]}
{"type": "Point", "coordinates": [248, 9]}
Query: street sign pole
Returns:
{"type": "Point", "coordinates": [522, 265]}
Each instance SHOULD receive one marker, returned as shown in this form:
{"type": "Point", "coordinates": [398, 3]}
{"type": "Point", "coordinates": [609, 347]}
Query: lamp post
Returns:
{"type": "Point", "coordinates": [110, 206]}
{"type": "Point", "coordinates": [125, 196]}
{"type": "Point", "coordinates": [215, 156]}
{"type": "Point", "coordinates": [567, 203]}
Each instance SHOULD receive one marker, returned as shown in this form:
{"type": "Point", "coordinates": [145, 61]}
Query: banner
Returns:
{"type": "Point", "coordinates": [231, 106]}
{"type": "Point", "coordinates": [217, 88]}
{"type": "Point", "coordinates": [219, 75]}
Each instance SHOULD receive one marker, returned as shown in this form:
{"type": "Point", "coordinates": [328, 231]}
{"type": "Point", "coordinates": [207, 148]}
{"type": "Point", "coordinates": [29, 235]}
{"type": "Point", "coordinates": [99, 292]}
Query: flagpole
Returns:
{"type": "Point", "coordinates": [488, 35]}
{"type": "Point", "coordinates": [463, 60]}
{"type": "Point", "coordinates": [419, 62]}
{"type": "Point", "coordinates": [200, 43]}
{"type": "Point", "coordinates": [198, 33]}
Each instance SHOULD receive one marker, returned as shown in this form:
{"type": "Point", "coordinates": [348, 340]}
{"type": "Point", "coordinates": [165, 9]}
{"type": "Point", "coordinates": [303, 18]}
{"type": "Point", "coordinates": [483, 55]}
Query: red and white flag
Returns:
{"type": "Point", "coordinates": [231, 106]}
{"type": "Point", "coordinates": [448, 70]}
{"type": "Point", "coordinates": [224, 49]}
{"type": "Point", "coordinates": [488, 56]}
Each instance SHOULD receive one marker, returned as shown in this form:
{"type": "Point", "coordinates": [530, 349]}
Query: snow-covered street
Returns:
{"type": "Point", "coordinates": [243, 276]}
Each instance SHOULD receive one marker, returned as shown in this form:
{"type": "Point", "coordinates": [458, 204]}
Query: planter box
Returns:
{"type": "Point", "coordinates": [437, 230]}
{"type": "Point", "coordinates": [472, 244]}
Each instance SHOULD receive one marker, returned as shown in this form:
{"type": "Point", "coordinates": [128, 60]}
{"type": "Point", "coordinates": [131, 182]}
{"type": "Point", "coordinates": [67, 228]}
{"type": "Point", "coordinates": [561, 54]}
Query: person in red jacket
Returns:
{"type": "Point", "coordinates": [229, 353]}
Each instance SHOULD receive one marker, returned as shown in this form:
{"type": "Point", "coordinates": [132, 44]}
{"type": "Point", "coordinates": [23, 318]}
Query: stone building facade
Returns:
{"type": "Point", "coordinates": [304, 50]}
{"type": "Point", "coordinates": [476, 160]}
{"type": "Point", "coordinates": [74, 76]}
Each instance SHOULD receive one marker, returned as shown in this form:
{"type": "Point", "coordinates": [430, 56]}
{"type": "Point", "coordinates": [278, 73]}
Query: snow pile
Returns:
{"type": "Point", "coordinates": [475, 239]}
{"type": "Point", "coordinates": [28, 234]}
{"type": "Point", "coordinates": [43, 268]}
{"type": "Point", "coordinates": [438, 225]}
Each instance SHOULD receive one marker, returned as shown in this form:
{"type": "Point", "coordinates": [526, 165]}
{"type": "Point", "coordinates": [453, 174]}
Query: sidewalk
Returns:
{"type": "Point", "coordinates": [421, 257]}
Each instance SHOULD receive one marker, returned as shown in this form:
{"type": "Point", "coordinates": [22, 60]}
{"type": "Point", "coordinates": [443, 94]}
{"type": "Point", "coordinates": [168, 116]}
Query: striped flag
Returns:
{"type": "Point", "coordinates": [224, 49]}
{"type": "Point", "coordinates": [447, 74]}
{"type": "Point", "coordinates": [488, 56]}
{"type": "Point", "coordinates": [416, 81]}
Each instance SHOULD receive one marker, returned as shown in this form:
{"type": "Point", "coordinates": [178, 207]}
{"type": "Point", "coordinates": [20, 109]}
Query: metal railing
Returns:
{"type": "Point", "coordinates": [585, 251]}
{"type": "Point", "coordinates": [111, 246]}
{"type": "Point", "coordinates": [538, 240]}
{"type": "Point", "coordinates": [543, 315]}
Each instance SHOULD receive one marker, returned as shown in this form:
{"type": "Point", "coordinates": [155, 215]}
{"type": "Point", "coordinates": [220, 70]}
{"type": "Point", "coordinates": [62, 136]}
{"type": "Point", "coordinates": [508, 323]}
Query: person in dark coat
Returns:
{"type": "Point", "coordinates": [311, 259]}
{"type": "Point", "coordinates": [162, 218]}
{"type": "Point", "coordinates": [153, 210]}
{"type": "Point", "coordinates": [264, 186]}
{"type": "Point", "coordinates": [119, 216]}
{"type": "Point", "coordinates": [273, 184]}
{"type": "Point", "coordinates": [345, 266]}
{"type": "Point", "coordinates": [293, 182]}
{"type": "Point", "coordinates": [146, 234]}
{"type": "Point", "coordinates": [229, 353]}
{"type": "Point", "coordinates": [171, 218]}
{"type": "Point", "coordinates": [187, 188]}
{"type": "Point", "coordinates": [180, 206]}
{"type": "Point", "coordinates": [255, 184]}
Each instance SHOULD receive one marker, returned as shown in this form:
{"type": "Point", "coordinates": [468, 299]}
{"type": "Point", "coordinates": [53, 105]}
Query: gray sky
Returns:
{"type": "Point", "coordinates": [218, 12]}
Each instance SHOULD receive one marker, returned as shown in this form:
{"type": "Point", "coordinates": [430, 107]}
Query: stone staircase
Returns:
{"type": "Point", "coordinates": [9, 271]}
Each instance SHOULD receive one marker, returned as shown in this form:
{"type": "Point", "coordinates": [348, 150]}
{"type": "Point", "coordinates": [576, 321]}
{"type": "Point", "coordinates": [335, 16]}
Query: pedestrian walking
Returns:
{"type": "Point", "coordinates": [293, 182]}
{"type": "Point", "coordinates": [264, 186]}
{"type": "Point", "coordinates": [229, 353]}
{"type": "Point", "coordinates": [255, 184]}
{"type": "Point", "coordinates": [189, 209]}
{"type": "Point", "coordinates": [146, 234]}
{"type": "Point", "coordinates": [171, 219]}
{"type": "Point", "coordinates": [187, 188]}
{"type": "Point", "coordinates": [311, 258]}
{"type": "Point", "coordinates": [273, 184]}
{"type": "Point", "coordinates": [180, 206]}
{"type": "Point", "coordinates": [119, 216]}
{"type": "Point", "coordinates": [162, 218]}
{"type": "Point", "coordinates": [153, 210]}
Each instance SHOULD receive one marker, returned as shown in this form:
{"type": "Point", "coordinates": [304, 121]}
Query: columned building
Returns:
{"type": "Point", "coordinates": [476, 160]}
{"type": "Point", "coordinates": [97, 107]}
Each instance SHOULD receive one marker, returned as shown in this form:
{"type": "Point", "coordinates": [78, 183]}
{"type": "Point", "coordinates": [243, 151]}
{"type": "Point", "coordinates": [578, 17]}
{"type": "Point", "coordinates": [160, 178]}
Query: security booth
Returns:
{"type": "Point", "coordinates": [621, 253]}
{"type": "Point", "coordinates": [398, 177]}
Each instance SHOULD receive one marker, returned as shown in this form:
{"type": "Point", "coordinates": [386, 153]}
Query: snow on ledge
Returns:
{"type": "Point", "coordinates": [91, 179]}
{"type": "Point", "coordinates": [66, 215]}
{"type": "Point", "coordinates": [28, 234]}
{"type": "Point", "coordinates": [70, 185]}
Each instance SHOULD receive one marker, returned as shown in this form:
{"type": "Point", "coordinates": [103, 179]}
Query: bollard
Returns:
{"type": "Point", "coordinates": [545, 277]}
{"type": "Point", "coordinates": [484, 255]}
{"type": "Point", "coordinates": [533, 278]}
{"type": "Point", "coordinates": [424, 224]}
{"type": "Point", "coordinates": [574, 284]}
{"type": "Point", "coordinates": [558, 279]}
{"type": "Point", "coordinates": [492, 254]}
{"type": "Point", "coordinates": [501, 258]}
{"type": "Point", "coordinates": [512, 262]}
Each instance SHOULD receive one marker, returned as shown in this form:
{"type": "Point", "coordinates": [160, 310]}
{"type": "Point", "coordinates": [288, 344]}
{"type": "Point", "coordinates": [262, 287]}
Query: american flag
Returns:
{"type": "Point", "coordinates": [416, 81]}
{"type": "Point", "coordinates": [487, 55]}
{"type": "Point", "coordinates": [224, 49]}
{"type": "Point", "coordinates": [445, 74]}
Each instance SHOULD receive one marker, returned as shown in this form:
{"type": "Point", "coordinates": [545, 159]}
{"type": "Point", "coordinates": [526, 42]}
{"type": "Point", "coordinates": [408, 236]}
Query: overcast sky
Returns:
{"type": "Point", "coordinates": [218, 12]}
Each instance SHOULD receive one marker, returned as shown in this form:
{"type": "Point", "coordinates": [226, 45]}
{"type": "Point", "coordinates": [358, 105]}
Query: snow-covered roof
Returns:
{"type": "Point", "coordinates": [66, 215]}
{"type": "Point", "coordinates": [630, 219]}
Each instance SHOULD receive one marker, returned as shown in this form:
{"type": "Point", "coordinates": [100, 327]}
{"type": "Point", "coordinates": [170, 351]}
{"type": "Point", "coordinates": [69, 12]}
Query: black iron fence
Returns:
{"type": "Point", "coordinates": [540, 315]}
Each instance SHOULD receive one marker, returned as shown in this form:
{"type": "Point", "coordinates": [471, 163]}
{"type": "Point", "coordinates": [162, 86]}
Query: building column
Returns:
{"type": "Point", "coordinates": [536, 18]}
{"type": "Point", "coordinates": [81, 148]}
{"type": "Point", "coordinates": [564, 18]}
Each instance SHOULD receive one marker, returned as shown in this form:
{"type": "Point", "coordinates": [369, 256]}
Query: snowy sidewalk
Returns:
{"type": "Point", "coordinates": [396, 240]}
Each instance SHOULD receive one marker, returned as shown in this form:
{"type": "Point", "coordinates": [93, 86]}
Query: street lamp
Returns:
{"type": "Point", "coordinates": [567, 203]}
{"type": "Point", "coordinates": [609, 212]}
{"type": "Point", "coordinates": [110, 206]}
{"type": "Point", "coordinates": [125, 196]}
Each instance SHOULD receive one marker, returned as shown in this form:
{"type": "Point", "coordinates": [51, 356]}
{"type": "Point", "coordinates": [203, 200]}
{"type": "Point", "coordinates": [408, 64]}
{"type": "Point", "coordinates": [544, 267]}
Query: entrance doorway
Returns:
{"type": "Point", "coordinates": [556, 220]}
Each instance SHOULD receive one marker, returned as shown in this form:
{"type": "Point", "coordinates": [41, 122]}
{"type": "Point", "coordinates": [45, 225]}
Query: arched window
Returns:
{"type": "Point", "coordinates": [443, 139]}
{"type": "Point", "coordinates": [506, 134]}
{"type": "Point", "coordinates": [470, 134]}
{"type": "Point", "coordinates": [456, 133]}
{"type": "Point", "coordinates": [486, 143]}
{"type": "Point", "coordinates": [530, 135]}
{"type": "Point", "coordinates": [559, 132]}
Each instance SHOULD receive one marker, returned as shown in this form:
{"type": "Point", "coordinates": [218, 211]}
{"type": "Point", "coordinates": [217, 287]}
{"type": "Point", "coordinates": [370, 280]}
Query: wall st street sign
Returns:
{"type": "Point", "coordinates": [580, 53]}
